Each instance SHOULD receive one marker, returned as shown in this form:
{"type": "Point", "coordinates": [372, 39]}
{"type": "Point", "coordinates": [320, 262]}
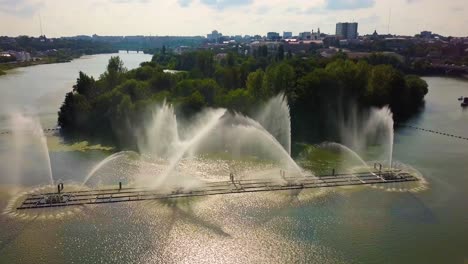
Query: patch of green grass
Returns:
{"type": "Point", "coordinates": [320, 161]}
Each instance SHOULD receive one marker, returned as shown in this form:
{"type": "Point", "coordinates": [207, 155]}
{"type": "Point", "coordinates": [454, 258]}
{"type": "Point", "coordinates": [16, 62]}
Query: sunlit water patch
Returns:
{"type": "Point", "coordinates": [43, 214]}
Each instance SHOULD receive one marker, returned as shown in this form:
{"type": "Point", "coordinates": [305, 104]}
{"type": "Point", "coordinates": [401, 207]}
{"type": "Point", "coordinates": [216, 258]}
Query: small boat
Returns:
{"type": "Point", "coordinates": [460, 98]}
{"type": "Point", "coordinates": [465, 102]}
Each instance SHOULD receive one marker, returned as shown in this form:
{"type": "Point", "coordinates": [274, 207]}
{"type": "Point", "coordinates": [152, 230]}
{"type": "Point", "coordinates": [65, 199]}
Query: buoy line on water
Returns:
{"type": "Point", "coordinates": [432, 131]}
{"type": "Point", "coordinates": [397, 124]}
{"type": "Point", "coordinates": [7, 132]}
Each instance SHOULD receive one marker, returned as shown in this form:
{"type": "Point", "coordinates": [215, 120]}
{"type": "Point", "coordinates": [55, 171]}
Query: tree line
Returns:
{"type": "Point", "coordinates": [115, 105]}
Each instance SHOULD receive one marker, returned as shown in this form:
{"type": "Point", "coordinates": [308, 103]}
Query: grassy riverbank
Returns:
{"type": "Point", "coordinates": [9, 66]}
{"type": "Point", "coordinates": [59, 58]}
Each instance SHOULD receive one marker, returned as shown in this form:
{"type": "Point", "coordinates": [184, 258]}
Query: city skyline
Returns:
{"type": "Point", "coordinates": [246, 17]}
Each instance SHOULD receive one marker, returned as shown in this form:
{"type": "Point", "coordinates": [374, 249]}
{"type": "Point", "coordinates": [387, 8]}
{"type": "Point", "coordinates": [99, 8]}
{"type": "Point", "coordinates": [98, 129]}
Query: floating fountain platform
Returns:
{"type": "Point", "coordinates": [233, 186]}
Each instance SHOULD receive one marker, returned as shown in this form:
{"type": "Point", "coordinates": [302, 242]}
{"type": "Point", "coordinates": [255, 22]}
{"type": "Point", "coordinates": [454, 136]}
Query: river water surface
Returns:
{"type": "Point", "coordinates": [343, 225]}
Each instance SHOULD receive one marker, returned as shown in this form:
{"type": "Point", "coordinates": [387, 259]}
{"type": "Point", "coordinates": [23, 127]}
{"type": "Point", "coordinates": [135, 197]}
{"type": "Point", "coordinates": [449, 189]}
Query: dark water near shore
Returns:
{"type": "Point", "coordinates": [344, 225]}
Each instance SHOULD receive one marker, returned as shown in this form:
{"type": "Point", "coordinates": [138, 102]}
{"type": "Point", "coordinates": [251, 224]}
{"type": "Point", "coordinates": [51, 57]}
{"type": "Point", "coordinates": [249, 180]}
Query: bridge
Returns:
{"type": "Point", "coordinates": [233, 186]}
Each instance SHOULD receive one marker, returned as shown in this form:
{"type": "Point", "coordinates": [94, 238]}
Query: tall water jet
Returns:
{"type": "Point", "coordinates": [29, 144]}
{"type": "Point", "coordinates": [260, 134]}
{"type": "Point", "coordinates": [212, 118]}
{"type": "Point", "coordinates": [169, 145]}
{"type": "Point", "coordinates": [384, 117]}
{"type": "Point", "coordinates": [275, 117]}
{"type": "Point", "coordinates": [106, 161]}
{"type": "Point", "coordinates": [161, 136]}
{"type": "Point", "coordinates": [250, 151]}
{"type": "Point", "coordinates": [359, 131]}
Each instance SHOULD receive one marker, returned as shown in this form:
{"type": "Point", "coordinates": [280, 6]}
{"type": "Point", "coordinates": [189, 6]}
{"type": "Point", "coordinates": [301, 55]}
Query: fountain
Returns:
{"type": "Point", "coordinates": [161, 136]}
{"type": "Point", "coordinates": [182, 155]}
{"type": "Point", "coordinates": [195, 157]}
{"type": "Point", "coordinates": [104, 162]}
{"type": "Point", "coordinates": [212, 119]}
{"type": "Point", "coordinates": [274, 116]}
{"type": "Point", "coordinates": [359, 132]}
{"type": "Point", "coordinates": [29, 145]}
{"type": "Point", "coordinates": [167, 143]}
{"type": "Point", "coordinates": [344, 150]}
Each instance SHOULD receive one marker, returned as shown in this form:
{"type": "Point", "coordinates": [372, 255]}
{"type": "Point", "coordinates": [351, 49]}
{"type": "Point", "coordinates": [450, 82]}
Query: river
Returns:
{"type": "Point", "coordinates": [41, 88]}
{"type": "Point", "coordinates": [343, 225]}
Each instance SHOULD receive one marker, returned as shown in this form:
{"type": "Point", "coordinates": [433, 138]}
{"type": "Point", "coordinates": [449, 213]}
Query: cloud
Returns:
{"type": "Point", "coordinates": [20, 8]}
{"type": "Point", "coordinates": [294, 10]}
{"type": "Point", "coordinates": [184, 3]}
{"type": "Point", "coordinates": [457, 9]}
{"type": "Point", "coordinates": [348, 4]}
{"type": "Point", "coordinates": [223, 4]}
{"type": "Point", "coordinates": [263, 10]}
{"type": "Point", "coordinates": [129, 1]}
{"type": "Point", "coordinates": [306, 11]}
{"type": "Point", "coordinates": [332, 5]}
{"type": "Point", "coordinates": [371, 20]}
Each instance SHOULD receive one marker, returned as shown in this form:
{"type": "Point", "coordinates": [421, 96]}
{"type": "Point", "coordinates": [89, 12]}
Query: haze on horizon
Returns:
{"type": "Point", "coordinates": [230, 17]}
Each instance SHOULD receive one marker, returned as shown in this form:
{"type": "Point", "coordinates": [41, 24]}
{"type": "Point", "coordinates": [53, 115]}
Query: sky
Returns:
{"type": "Point", "coordinates": [230, 17]}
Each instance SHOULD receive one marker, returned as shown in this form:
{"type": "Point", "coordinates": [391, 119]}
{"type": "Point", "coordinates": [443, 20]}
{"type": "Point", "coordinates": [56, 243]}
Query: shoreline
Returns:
{"type": "Point", "coordinates": [6, 67]}
{"type": "Point", "coordinates": [13, 66]}
{"type": "Point", "coordinates": [453, 76]}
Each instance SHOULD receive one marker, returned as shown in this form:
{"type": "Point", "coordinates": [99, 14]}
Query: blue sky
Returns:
{"type": "Point", "coordinates": [198, 17]}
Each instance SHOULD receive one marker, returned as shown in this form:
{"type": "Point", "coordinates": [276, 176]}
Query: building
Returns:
{"type": "Point", "coordinates": [237, 38]}
{"type": "Point", "coordinates": [316, 35]}
{"type": "Point", "coordinates": [21, 56]}
{"type": "Point", "coordinates": [272, 46]}
{"type": "Point", "coordinates": [6, 57]}
{"type": "Point", "coordinates": [181, 49]}
{"type": "Point", "coordinates": [287, 34]}
{"type": "Point", "coordinates": [215, 35]}
{"type": "Point", "coordinates": [305, 35]}
{"type": "Point", "coordinates": [347, 30]}
{"type": "Point", "coordinates": [426, 34]}
{"type": "Point", "coordinates": [302, 46]}
{"type": "Point", "coordinates": [273, 36]}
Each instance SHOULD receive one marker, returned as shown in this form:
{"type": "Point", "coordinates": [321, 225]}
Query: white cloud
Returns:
{"type": "Point", "coordinates": [20, 8]}
{"type": "Point", "coordinates": [198, 17]}
{"type": "Point", "coordinates": [348, 4]}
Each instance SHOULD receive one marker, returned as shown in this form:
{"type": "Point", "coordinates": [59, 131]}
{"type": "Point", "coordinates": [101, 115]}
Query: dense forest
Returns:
{"type": "Point", "coordinates": [318, 90]}
{"type": "Point", "coordinates": [71, 46]}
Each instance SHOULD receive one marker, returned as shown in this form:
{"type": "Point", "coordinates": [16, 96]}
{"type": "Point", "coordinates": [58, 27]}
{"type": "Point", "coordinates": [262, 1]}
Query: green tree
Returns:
{"type": "Point", "coordinates": [238, 100]}
{"type": "Point", "coordinates": [417, 88]}
{"type": "Point", "coordinates": [161, 81]}
{"type": "Point", "coordinates": [385, 85]}
{"type": "Point", "coordinates": [136, 90]}
{"type": "Point", "coordinates": [74, 112]}
{"type": "Point", "coordinates": [85, 86]}
{"type": "Point", "coordinates": [280, 55]}
{"type": "Point", "coordinates": [193, 103]}
{"type": "Point", "coordinates": [278, 78]}
{"type": "Point", "coordinates": [255, 84]}
{"type": "Point", "coordinates": [114, 73]}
